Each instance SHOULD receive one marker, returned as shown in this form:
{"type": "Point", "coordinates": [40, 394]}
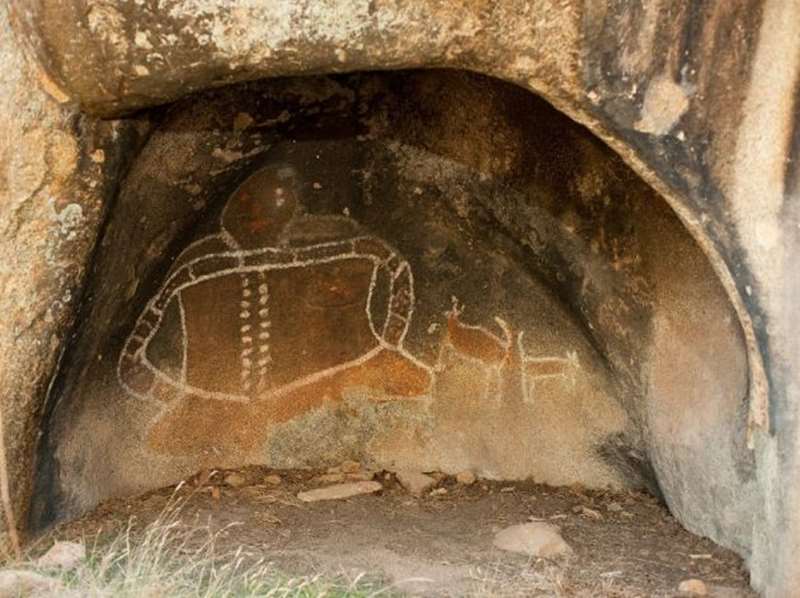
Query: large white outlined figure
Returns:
{"type": "Point", "coordinates": [281, 311]}
{"type": "Point", "coordinates": [250, 269]}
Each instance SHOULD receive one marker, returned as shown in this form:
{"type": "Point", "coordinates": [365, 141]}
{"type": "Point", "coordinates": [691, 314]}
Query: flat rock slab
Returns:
{"type": "Point", "coordinates": [534, 539]}
{"type": "Point", "coordinates": [339, 491]}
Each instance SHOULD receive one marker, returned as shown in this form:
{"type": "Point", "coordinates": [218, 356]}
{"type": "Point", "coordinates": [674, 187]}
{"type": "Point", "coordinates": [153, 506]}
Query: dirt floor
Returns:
{"type": "Point", "coordinates": [441, 543]}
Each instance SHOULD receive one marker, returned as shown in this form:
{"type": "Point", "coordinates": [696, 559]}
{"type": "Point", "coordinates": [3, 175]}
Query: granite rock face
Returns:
{"type": "Point", "coordinates": [333, 291]}
{"type": "Point", "coordinates": [630, 313]}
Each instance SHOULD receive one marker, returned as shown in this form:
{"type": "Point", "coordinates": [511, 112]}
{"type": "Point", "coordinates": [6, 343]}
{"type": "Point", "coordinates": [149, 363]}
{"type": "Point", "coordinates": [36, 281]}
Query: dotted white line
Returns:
{"type": "Point", "coordinates": [246, 340]}
{"type": "Point", "coordinates": [263, 337]}
{"type": "Point", "coordinates": [252, 266]}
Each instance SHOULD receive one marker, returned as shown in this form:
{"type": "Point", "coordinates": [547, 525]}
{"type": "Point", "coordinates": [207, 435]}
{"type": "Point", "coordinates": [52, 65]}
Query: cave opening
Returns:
{"type": "Point", "coordinates": [414, 270]}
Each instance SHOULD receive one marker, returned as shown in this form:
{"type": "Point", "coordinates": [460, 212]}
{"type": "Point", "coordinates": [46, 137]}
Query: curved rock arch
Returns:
{"type": "Point", "coordinates": [139, 59]}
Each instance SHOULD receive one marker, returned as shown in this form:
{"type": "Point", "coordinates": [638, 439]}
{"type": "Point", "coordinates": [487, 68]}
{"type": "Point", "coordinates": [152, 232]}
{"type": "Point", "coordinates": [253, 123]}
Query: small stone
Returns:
{"type": "Point", "coordinates": [273, 479]}
{"type": "Point", "coordinates": [216, 494]}
{"type": "Point", "coordinates": [14, 583]}
{"type": "Point", "coordinates": [467, 478]}
{"type": "Point", "coordinates": [438, 491]}
{"type": "Point", "coordinates": [534, 539]}
{"type": "Point", "coordinates": [235, 480]}
{"type": "Point", "coordinates": [340, 491]}
{"type": "Point", "coordinates": [350, 467]}
{"type": "Point", "coordinates": [693, 587]}
{"type": "Point", "coordinates": [415, 483]}
{"type": "Point", "coordinates": [614, 507]}
{"type": "Point", "coordinates": [63, 555]}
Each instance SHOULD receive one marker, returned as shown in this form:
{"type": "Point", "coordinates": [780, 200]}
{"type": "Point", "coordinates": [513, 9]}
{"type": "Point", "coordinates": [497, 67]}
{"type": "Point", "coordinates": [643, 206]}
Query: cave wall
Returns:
{"type": "Point", "coordinates": [644, 294]}
{"type": "Point", "coordinates": [488, 346]}
{"type": "Point", "coordinates": [526, 238]}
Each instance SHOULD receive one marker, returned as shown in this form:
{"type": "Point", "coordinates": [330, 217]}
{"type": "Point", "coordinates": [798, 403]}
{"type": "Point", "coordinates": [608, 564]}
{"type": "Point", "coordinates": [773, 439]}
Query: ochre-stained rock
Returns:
{"type": "Point", "coordinates": [416, 483]}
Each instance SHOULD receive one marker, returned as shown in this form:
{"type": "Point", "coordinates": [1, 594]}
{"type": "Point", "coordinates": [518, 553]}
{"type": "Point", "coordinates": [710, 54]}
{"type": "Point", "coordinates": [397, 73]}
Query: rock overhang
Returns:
{"type": "Point", "coordinates": [480, 256]}
{"type": "Point", "coordinates": [666, 113]}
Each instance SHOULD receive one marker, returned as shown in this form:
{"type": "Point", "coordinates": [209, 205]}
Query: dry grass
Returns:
{"type": "Point", "coordinates": [173, 550]}
{"type": "Point", "coordinates": [171, 558]}
{"type": "Point", "coordinates": [506, 581]}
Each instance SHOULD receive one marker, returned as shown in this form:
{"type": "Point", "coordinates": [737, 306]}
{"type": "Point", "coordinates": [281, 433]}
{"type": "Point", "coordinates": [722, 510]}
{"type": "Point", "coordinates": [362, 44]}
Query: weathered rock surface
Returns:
{"type": "Point", "coordinates": [416, 483]}
{"type": "Point", "coordinates": [536, 539]}
{"type": "Point", "coordinates": [340, 491]}
{"type": "Point", "coordinates": [466, 478]}
{"type": "Point", "coordinates": [235, 480]}
{"type": "Point", "coordinates": [259, 346]}
{"type": "Point", "coordinates": [350, 467]}
{"type": "Point", "coordinates": [690, 95]}
{"type": "Point", "coordinates": [63, 555]}
{"type": "Point", "coordinates": [330, 478]}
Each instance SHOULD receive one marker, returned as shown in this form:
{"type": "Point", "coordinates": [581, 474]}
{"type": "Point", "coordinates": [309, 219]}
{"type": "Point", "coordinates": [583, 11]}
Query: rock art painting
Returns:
{"type": "Point", "coordinates": [280, 312]}
{"type": "Point", "coordinates": [503, 360]}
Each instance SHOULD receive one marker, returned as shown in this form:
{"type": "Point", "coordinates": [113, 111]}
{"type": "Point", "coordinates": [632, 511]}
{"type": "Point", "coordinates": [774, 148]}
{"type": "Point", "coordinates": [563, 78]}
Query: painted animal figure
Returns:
{"type": "Point", "coordinates": [507, 364]}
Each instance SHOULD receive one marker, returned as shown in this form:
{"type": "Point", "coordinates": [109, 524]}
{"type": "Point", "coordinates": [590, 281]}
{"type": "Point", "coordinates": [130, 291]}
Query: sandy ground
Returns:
{"type": "Point", "coordinates": [439, 544]}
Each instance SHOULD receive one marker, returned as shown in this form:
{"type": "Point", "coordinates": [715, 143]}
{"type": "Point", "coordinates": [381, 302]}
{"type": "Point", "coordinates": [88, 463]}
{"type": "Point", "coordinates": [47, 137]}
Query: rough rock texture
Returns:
{"type": "Point", "coordinates": [63, 555]}
{"type": "Point", "coordinates": [700, 99]}
{"type": "Point", "coordinates": [310, 350]}
{"type": "Point", "coordinates": [415, 482]}
{"type": "Point", "coordinates": [57, 170]}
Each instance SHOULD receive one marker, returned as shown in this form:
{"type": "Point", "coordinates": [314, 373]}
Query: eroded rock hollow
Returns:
{"type": "Point", "coordinates": [295, 234]}
{"type": "Point", "coordinates": [424, 270]}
